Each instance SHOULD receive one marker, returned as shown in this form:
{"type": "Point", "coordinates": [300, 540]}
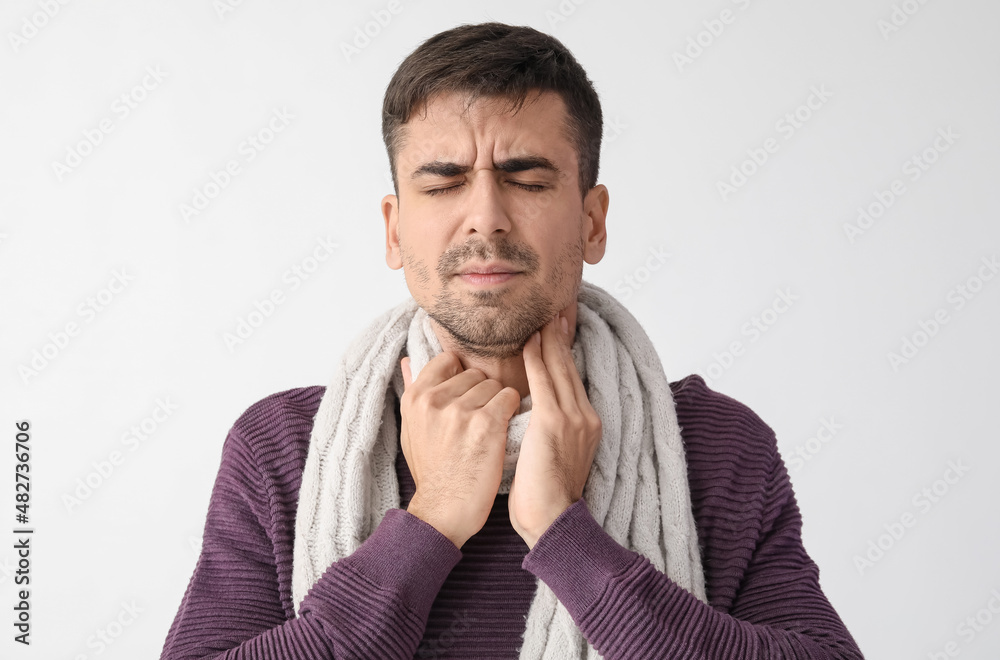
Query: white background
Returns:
{"type": "Point", "coordinates": [673, 132]}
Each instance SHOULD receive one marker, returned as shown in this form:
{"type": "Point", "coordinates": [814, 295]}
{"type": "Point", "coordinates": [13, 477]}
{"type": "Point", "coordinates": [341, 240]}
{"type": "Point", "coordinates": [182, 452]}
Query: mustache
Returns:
{"type": "Point", "coordinates": [500, 250]}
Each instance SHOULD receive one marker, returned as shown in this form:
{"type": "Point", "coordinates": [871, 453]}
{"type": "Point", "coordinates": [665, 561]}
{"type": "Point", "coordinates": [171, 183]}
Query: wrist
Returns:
{"type": "Point", "coordinates": [416, 509]}
{"type": "Point", "coordinates": [531, 534]}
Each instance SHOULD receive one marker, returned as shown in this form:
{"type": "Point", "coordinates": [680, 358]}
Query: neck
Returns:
{"type": "Point", "coordinates": [510, 372]}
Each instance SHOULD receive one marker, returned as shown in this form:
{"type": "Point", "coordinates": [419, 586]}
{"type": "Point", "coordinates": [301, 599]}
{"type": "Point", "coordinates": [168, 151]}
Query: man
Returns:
{"type": "Point", "coordinates": [498, 469]}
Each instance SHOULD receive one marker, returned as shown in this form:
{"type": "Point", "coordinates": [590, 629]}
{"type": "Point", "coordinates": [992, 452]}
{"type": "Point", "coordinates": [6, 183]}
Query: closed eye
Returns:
{"type": "Point", "coordinates": [531, 187]}
{"type": "Point", "coordinates": [440, 191]}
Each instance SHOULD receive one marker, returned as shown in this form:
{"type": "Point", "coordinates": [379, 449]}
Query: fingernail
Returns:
{"type": "Point", "coordinates": [565, 325]}
{"type": "Point", "coordinates": [538, 338]}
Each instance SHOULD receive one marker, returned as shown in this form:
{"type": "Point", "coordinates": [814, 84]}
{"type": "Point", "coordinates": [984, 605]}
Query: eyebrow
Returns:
{"type": "Point", "coordinates": [521, 164]}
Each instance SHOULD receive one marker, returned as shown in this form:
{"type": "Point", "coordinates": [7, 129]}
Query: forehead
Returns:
{"type": "Point", "coordinates": [451, 128]}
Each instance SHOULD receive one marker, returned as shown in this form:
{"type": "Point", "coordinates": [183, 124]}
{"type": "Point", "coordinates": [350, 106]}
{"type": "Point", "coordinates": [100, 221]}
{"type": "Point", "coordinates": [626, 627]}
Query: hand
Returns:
{"type": "Point", "coordinates": [453, 435]}
{"type": "Point", "coordinates": [561, 439]}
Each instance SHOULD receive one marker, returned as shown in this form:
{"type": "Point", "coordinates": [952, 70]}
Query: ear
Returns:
{"type": "Point", "coordinates": [595, 235]}
{"type": "Point", "coordinates": [390, 211]}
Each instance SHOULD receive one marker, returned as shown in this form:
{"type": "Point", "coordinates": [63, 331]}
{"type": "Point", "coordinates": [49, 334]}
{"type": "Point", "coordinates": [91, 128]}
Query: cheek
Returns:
{"type": "Point", "coordinates": [540, 206]}
{"type": "Point", "coordinates": [419, 237]}
{"type": "Point", "coordinates": [422, 252]}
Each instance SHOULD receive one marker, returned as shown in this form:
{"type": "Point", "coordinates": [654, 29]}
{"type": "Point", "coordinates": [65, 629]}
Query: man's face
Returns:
{"type": "Point", "coordinates": [480, 191]}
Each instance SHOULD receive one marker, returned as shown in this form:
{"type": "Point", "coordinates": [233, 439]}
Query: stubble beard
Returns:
{"type": "Point", "coordinates": [496, 323]}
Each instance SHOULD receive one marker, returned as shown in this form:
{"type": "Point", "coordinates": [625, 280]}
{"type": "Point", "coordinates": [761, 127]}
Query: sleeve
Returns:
{"type": "Point", "coordinates": [373, 603]}
{"type": "Point", "coordinates": [626, 608]}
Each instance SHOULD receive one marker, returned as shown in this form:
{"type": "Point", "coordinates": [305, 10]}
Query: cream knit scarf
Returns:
{"type": "Point", "coordinates": [637, 488]}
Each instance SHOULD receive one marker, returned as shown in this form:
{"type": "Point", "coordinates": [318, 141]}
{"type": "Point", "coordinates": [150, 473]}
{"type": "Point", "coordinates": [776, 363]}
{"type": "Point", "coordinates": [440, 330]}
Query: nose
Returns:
{"type": "Point", "coordinates": [486, 210]}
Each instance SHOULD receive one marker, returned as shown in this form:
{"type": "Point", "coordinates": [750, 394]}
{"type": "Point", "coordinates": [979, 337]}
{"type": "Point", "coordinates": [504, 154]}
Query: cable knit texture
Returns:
{"type": "Point", "coordinates": [636, 489]}
{"type": "Point", "coordinates": [408, 592]}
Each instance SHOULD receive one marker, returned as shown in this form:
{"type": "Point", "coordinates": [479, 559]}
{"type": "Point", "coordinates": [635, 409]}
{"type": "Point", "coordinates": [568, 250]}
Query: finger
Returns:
{"type": "Point", "coordinates": [580, 392]}
{"type": "Point", "coordinates": [460, 384]}
{"type": "Point", "coordinates": [539, 382]}
{"type": "Point", "coordinates": [446, 376]}
{"type": "Point", "coordinates": [559, 363]}
{"type": "Point", "coordinates": [505, 403]}
{"type": "Point", "coordinates": [438, 369]}
{"type": "Point", "coordinates": [407, 377]}
{"type": "Point", "coordinates": [479, 394]}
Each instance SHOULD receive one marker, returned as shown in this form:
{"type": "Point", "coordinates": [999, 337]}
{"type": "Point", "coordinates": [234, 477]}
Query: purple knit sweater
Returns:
{"type": "Point", "coordinates": [409, 592]}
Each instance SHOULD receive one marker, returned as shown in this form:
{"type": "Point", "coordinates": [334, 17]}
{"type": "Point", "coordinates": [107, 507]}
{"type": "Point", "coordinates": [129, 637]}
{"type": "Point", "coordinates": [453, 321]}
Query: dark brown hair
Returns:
{"type": "Point", "coordinates": [496, 60]}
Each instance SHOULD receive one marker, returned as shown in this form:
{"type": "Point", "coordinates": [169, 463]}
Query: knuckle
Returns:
{"type": "Point", "coordinates": [478, 388]}
{"type": "Point", "coordinates": [434, 398]}
{"type": "Point", "coordinates": [453, 362]}
{"type": "Point", "coordinates": [447, 357]}
{"type": "Point", "coordinates": [486, 418]}
{"type": "Point", "coordinates": [562, 420]}
{"type": "Point", "coordinates": [594, 424]}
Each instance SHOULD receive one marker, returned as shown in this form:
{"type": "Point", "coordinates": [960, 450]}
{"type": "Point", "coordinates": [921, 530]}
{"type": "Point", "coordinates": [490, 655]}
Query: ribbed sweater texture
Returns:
{"type": "Point", "coordinates": [408, 592]}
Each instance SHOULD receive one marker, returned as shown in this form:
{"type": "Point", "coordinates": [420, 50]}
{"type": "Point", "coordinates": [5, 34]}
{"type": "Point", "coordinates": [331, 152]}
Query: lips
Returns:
{"type": "Point", "coordinates": [487, 279]}
{"type": "Point", "coordinates": [494, 268]}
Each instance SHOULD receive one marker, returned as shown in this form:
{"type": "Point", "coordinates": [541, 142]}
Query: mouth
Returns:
{"type": "Point", "coordinates": [493, 268]}
{"type": "Point", "coordinates": [488, 274]}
